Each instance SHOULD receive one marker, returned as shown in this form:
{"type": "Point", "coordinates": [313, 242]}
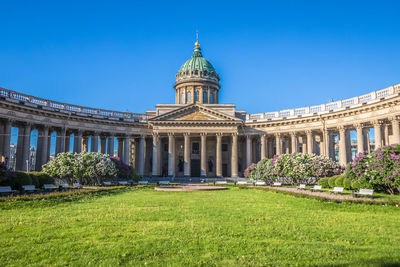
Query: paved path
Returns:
{"type": "Point", "coordinates": [321, 194]}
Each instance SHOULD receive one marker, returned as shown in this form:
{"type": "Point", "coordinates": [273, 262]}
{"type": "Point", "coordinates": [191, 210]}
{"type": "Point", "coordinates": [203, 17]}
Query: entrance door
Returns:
{"type": "Point", "coordinates": [195, 168]}
{"type": "Point", "coordinates": [225, 170]}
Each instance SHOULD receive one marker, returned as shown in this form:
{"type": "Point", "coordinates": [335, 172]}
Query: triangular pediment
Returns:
{"type": "Point", "coordinates": [195, 112]}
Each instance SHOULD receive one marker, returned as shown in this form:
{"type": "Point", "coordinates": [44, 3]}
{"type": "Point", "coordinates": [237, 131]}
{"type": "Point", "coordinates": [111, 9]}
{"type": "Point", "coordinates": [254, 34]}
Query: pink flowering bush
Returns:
{"type": "Point", "coordinates": [380, 168]}
{"type": "Point", "coordinates": [294, 168]}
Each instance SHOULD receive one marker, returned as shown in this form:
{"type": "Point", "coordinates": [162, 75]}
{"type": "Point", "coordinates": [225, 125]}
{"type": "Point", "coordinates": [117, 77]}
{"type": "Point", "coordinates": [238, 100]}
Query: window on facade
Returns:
{"type": "Point", "coordinates": [165, 147]}
{"type": "Point", "coordinates": [212, 98]}
{"type": "Point", "coordinates": [195, 148]}
{"type": "Point", "coordinates": [205, 97]}
{"type": "Point", "coordinates": [182, 98]}
{"type": "Point", "coordinates": [188, 96]}
{"type": "Point", "coordinates": [197, 73]}
{"type": "Point", "coordinates": [197, 96]}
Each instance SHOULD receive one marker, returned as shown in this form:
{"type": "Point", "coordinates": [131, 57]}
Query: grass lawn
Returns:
{"type": "Point", "coordinates": [231, 227]}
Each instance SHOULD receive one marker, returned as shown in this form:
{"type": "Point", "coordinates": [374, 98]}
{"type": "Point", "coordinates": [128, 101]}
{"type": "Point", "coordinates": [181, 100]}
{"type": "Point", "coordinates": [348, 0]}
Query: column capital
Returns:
{"type": "Point", "coordinates": [377, 122]}
{"type": "Point", "coordinates": [96, 132]}
{"type": "Point", "coordinates": [359, 125]}
{"type": "Point", "coordinates": [155, 134]}
{"type": "Point", "coordinates": [186, 134]}
{"type": "Point", "coordinates": [171, 133]}
{"type": "Point", "coordinates": [235, 134]}
{"type": "Point", "coordinates": [219, 134]}
{"type": "Point", "coordinates": [278, 134]}
{"type": "Point", "coordinates": [293, 133]}
{"type": "Point", "coordinates": [393, 118]}
{"type": "Point", "coordinates": [309, 131]}
{"type": "Point", "coordinates": [203, 134]}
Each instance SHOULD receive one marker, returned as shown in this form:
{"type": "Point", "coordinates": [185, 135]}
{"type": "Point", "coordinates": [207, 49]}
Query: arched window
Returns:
{"type": "Point", "coordinates": [188, 97]}
{"type": "Point", "coordinates": [197, 96]}
{"type": "Point", "coordinates": [205, 97]}
{"type": "Point", "coordinates": [182, 98]}
{"type": "Point", "coordinates": [212, 98]}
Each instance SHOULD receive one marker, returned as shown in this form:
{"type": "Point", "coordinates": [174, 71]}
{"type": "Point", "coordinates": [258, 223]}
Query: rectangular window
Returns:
{"type": "Point", "coordinates": [212, 98]}
{"type": "Point", "coordinates": [195, 148]}
{"type": "Point", "coordinates": [205, 99]}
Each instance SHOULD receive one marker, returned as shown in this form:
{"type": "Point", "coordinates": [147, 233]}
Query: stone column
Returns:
{"type": "Point", "coordinates": [218, 169]}
{"type": "Point", "coordinates": [203, 159]}
{"type": "Point", "coordinates": [295, 144]}
{"type": "Point", "coordinates": [85, 141]}
{"type": "Point", "coordinates": [395, 130]}
{"type": "Point", "coordinates": [61, 135]}
{"type": "Point", "coordinates": [142, 154]}
{"type": "Point", "coordinates": [103, 142]}
{"type": "Point", "coordinates": [154, 169]}
{"type": "Point", "coordinates": [263, 146]}
{"type": "Point", "coordinates": [186, 155]}
{"type": "Point", "coordinates": [126, 147]}
{"type": "Point", "coordinates": [326, 137]}
{"type": "Point", "coordinates": [26, 133]}
{"type": "Point", "coordinates": [342, 146]}
{"type": "Point", "coordinates": [386, 133]}
{"type": "Point", "coordinates": [348, 146]}
{"type": "Point", "coordinates": [270, 147]}
{"type": "Point", "coordinates": [378, 134]}
{"type": "Point", "coordinates": [7, 138]}
{"type": "Point", "coordinates": [278, 144]}
{"type": "Point", "coordinates": [78, 141]}
{"type": "Point", "coordinates": [120, 148]}
{"type": "Point", "coordinates": [110, 148]}
{"type": "Point", "coordinates": [331, 151]}
{"type": "Point", "coordinates": [248, 150]}
{"type": "Point", "coordinates": [171, 154]}
{"type": "Point", "coordinates": [360, 140]}
{"type": "Point", "coordinates": [95, 142]}
{"type": "Point", "coordinates": [234, 157]}
{"type": "Point", "coordinates": [366, 140]}
{"type": "Point", "coordinates": [310, 143]}
{"type": "Point", "coordinates": [67, 142]}
{"type": "Point", "coordinates": [45, 146]}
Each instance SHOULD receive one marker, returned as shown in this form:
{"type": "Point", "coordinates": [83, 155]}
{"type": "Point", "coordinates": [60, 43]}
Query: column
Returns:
{"type": "Point", "coordinates": [85, 141]}
{"type": "Point", "coordinates": [95, 142]}
{"type": "Point", "coordinates": [278, 143]}
{"type": "Point", "coordinates": [248, 150]}
{"type": "Point", "coordinates": [126, 150]}
{"type": "Point", "coordinates": [263, 146]}
{"type": "Point", "coordinates": [366, 139]}
{"type": "Point", "coordinates": [60, 146]}
{"type": "Point", "coordinates": [234, 157]}
{"type": "Point", "coordinates": [120, 148]}
{"type": "Point", "coordinates": [348, 146]}
{"type": "Point", "coordinates": [360, 140]}
{"type": "Point", "coordinates": [378, 134]}
{"type": "Point", "coordinates": [270, 147]}
{"type": "Point", "coordinates": [395, 130]}
{"type": "Point", "coordinates": [142, 154]}
{"type": "Point", "coordinates": [203, 159]}
{"type": "Point", "coordinates": [342, 146]}
{"type": "Point", "coordinates": [171, 154]}
{"type": "Point", "coordinates": [45, 146]}
{"type": "Point", "coordinates": [310, 143]}
{"type": "Point", "coordinates": [154, 169]}
{"type": "Point", "coordinates": [294, 142]}
{"type": "Point", "coordinates": [67, 141]}
{"type": "Point", "coordinates": [331, 142]}
{"type": "Point", "coordinates": [103, 142]}
{"type": "Point", "coordinates": [326, 136]}
{"type": "Point", "coordinates": [7, 138]}
{"type": "Point", "coordinates": [78, 141]}
{"type": "Point", "coordinates": [386, 133]}
{"type": "Point", "coordinates": [219, 155]}
{"type": "Point", "coordinates": [110, 148]}
{"type": "Point", "coordinates": [25, 145]}
{"type": "Point", "coordinates": [186, 155]}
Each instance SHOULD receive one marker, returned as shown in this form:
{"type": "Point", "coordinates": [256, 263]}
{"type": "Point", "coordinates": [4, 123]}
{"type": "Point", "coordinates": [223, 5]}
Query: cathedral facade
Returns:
{"type": "Point", "coordinates": [196, 136]}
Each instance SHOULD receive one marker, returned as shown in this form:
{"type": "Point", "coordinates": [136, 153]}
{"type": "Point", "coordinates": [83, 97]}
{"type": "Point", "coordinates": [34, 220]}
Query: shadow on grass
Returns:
{"type": "Point", "coordinates": [44, 201]}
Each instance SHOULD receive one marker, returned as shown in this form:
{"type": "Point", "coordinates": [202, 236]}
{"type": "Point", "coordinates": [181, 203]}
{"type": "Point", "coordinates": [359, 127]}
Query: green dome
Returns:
{"type": "Point", "coordinates": [197, 62]}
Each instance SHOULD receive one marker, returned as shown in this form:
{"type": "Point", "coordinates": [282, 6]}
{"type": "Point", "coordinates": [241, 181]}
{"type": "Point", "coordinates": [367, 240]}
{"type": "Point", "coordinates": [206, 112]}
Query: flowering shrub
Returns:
{"type": "Point", "coordinates": [5, 174]}
{"type": "Point", "coordinates": [381, 169]}
{"type": "Point", "coordinates": [125, 171]}
{"type": "Point", "coordinates": [293, 168]}
{"type": "Point", "coordinates": [87, 167]}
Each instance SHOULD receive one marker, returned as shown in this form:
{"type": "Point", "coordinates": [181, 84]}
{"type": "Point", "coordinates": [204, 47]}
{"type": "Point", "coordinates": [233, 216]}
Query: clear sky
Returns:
{"type": "Point", "coordinates": [270, 55]}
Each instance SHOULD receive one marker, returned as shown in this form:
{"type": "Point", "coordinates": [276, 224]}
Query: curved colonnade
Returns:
{"type": "Point", "coordinates": [325, 129]}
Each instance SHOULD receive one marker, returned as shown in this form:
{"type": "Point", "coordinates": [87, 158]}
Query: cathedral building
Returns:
{"type": "Point", "coordinates": [197, 136]}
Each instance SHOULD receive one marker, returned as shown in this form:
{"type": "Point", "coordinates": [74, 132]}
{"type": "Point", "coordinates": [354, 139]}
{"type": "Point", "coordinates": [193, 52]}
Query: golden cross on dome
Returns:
{"type": "Point", "coordinates": [197, 44]}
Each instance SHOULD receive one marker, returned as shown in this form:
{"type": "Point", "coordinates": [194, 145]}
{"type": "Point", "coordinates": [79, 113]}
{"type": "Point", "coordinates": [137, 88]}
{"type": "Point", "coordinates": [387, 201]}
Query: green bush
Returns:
{"type": "Point", "coordinates": [324, 182]}
{"type": "Point", "coordinates": [44, 179]}
{"type": "Point", "coordinates": [358, 184]}
{"type": "Point", "coordinates": [339, 182]}
{"type": "Point", "coordinates": [347, 183]}
{"type": "Point", "coordinates": [21, 178]}
{"type": "Point", "coordinates": [332, 181]}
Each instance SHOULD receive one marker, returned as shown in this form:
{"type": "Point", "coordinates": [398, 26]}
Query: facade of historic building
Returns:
{"type": "Point", "coordinates": [197, 136]}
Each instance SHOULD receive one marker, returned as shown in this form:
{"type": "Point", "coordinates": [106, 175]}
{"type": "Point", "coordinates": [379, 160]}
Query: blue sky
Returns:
{"type": "Point", "coordinates": [271, 55]}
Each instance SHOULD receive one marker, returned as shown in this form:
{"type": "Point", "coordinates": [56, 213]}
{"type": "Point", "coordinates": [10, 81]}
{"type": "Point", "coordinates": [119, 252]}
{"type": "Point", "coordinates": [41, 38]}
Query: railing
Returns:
{"type": "Point", "coordinates": [326, 108]}
{"type": "Point", "coordinates": [77, 110]}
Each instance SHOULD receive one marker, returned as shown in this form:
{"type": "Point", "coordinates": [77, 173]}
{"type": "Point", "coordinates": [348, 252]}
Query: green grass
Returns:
{"type": "Point", "coordinates": [230, 227]}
